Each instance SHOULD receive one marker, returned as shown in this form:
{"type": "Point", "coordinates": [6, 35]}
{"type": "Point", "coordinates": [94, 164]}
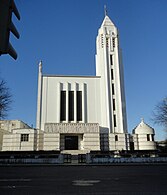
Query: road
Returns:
{"type": "Point", "coordinates": [93, 180]}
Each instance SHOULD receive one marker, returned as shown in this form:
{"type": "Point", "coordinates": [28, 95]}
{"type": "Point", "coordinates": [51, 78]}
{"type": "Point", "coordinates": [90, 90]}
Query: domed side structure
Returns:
{"type": "Point", "coordinates": [143, 137]}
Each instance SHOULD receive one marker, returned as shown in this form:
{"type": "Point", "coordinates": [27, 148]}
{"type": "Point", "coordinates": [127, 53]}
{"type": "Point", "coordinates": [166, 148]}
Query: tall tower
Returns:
{"type": "Point", "coordinates": [109, 67]}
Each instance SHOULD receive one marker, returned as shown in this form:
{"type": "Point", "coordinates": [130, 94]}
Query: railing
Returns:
{"type": "Point", "coordinates": [81, 158]}
{"type": "Point", "coordinates": [129, 160]}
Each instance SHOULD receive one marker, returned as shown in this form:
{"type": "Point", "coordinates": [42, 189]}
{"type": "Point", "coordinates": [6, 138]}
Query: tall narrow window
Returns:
{"type": "Point", "coordinates": [113, 42]}
{"type": "Point", "coordinates": [152, 137]}
{"type": "Point", "coordinates": [113, 104]}
{"type": "Point", "coordinates": [63, 106]}
{"type": "Point", "coordinates": [113, 90]}
{"type": "Point", "coordinates": [79, 105]}
{"type": "Point", "coordinates": [71, 106]}
{"type": "Point", "coordinates": [116, 138]}
{"type": "Point", "coordinates": [148, 137]}
{"type": "Point", "coordinates": [115, 122]}
{"type": "Point", "coordinates": [111, 61]}
{"type": "Point", "coordinates": [112, 74]}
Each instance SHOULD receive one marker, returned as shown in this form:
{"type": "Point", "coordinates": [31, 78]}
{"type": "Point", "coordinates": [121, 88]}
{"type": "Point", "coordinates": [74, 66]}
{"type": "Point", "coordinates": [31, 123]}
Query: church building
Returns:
{"type": "Point", "coordinates": [82, 113]}
{"type": "Point", "coordinates": [86, 112]}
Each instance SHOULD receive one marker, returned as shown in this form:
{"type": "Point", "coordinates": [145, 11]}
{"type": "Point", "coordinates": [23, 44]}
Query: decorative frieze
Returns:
{"type": "Point", "coordinates": [71, 128]}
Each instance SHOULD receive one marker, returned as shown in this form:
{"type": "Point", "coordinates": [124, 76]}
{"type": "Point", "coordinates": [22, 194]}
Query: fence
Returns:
{"type": "Point", "coordinates": [111, 160]}
{"type": "Point", "coordinates": [88, 159]}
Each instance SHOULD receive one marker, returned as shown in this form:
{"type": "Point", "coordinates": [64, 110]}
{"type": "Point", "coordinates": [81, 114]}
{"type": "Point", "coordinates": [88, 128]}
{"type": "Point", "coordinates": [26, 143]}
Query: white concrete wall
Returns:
{"type": "Point", "coordinates": [51, 141]}
{"type": "Point", "coordinates": [2, 132]}
{"type": "Point", "coordinates": [7, 144]}
{"type": "Point", "coordinates": [141, 143]}
{"type": "Point", "coordinates": [50, 109]}
{"type": "Point", "coordinates": [86, 141]}
{"type": "Point", "coordinates": [91, 141]}
{"type": "Point", "coordinates": [12, 142]}
{"type": "Point", "coordinates": [121, 144]}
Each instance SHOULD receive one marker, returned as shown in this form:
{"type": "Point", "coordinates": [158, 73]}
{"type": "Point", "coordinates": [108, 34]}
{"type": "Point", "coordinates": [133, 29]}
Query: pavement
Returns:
{"type": "Point", "coordinates": [84, 180]}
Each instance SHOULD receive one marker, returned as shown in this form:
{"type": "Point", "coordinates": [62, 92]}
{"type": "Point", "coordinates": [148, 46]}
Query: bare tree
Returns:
{"type": "Point", "coordinates": [5, 99]}
{"type": "Point", "coordinates": [160, 113]}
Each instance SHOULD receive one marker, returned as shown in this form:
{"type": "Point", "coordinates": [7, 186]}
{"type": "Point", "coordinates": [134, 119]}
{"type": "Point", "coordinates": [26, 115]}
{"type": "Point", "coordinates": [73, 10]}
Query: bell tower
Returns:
{"type": "Point", "coordinates": [109, 67]}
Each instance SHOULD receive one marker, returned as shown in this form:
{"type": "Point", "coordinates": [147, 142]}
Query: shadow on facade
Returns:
{"type": "Point", "coordinates": [104, 141]}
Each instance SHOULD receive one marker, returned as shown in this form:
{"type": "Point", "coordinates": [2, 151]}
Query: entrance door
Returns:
{"type": "Point", "coordinates": [71, 142]}
{"type": "Point", "coordinates": [132, 146]}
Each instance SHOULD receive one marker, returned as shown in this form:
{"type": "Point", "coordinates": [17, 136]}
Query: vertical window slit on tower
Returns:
{"type": "Point", "coordinates": [113, 104]}
{"type": "Point", "coordinates": [107, 42]}
{"type": "Point", "coordinates": [63, 106]}
{"type": "Point", "coordinates": [113, 90]}
{"type": "Point", "coordinates": [113, 41]}
{"type": "Point", "coordinates": [71, 105]}
{"type": "Point", "coordinates": [115, 122]}
{"type": "Point", "coordinates": [111, 60]}
{"type": "Point", "coordinates": [79, 105]}
{"type": "Point", "coordinates": [112, 74]}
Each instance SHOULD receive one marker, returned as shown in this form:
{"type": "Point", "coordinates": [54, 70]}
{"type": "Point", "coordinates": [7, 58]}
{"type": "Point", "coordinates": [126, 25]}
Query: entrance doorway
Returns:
{"type": "Point", "coordinates": [131, 146]}
{"type": "Point", "coordinates": [71, 142]}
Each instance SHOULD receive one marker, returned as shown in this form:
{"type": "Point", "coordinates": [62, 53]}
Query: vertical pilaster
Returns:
{"type": "Point", "coordinates": [83, 103]}
{"type": "Point", "coordinates": [58, 102]}
{"type": "Point", "coordinates": [75, 102]}
{"type": "Point", "coordinates": [67, 101]}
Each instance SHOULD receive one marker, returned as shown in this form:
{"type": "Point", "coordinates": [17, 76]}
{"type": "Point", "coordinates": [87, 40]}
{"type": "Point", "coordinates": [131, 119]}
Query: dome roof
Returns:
{"type": "Point", "coordinates": [143, 128]}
